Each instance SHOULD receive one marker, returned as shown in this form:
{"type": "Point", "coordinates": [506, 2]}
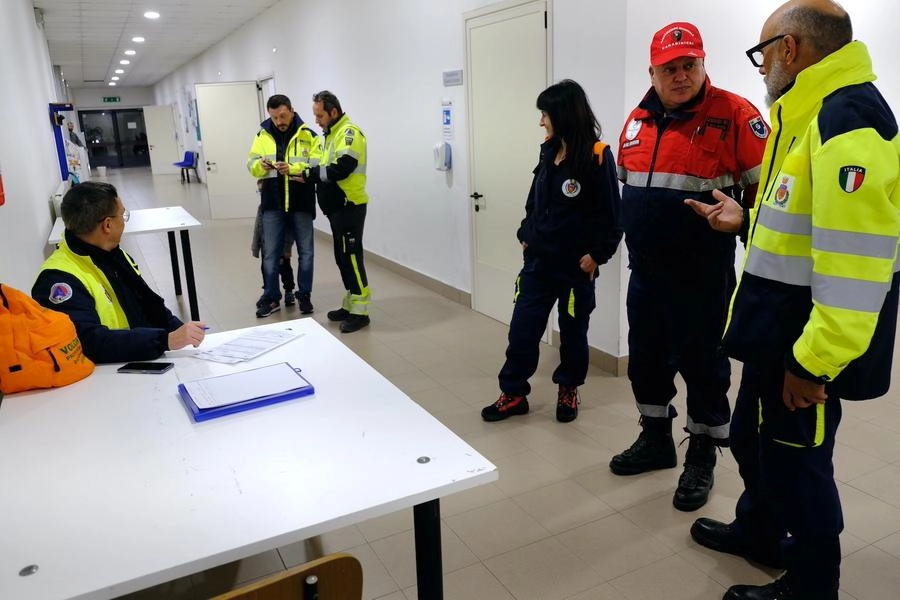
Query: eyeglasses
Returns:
{"type": "Point", "coordinates": [755, 54]}
{"type": "Point", "coordinates": [125, 216]}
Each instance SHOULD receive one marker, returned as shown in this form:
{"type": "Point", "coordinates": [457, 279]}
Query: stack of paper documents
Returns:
{"type": "Point", "coordinates": [226, 394]}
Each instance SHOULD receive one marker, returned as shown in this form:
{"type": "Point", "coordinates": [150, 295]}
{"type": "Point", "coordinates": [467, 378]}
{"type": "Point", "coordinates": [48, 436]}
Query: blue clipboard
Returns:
{"type": "Point", "coordinates": [302, 388]}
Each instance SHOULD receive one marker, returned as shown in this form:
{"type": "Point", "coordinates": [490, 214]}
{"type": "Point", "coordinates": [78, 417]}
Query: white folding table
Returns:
{"type": "Point", "coordinates": [107, 486]}
{"type": "Point", "coordinates": [152, 220]}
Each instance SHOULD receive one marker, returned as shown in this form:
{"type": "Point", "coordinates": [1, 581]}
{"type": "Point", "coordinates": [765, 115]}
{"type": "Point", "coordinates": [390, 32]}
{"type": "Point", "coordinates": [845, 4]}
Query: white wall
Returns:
{"type": "Point", "coordinates": [28, 160]}
{"type": "Point", "coordinates": [384, 61]}
{"type": "Point", "coordinates": [92, 97]}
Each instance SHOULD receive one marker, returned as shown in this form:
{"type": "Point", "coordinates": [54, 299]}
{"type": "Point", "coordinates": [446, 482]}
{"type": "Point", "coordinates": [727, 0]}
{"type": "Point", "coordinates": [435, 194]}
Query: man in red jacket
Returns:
{"type": "Point", "coordinates": [685, 139]}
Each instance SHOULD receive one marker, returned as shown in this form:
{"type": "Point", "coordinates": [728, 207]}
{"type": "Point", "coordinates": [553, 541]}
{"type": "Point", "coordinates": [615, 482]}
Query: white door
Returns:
{"type": "Point", "coordinates": [507, 62]}
{"type": "Point", "coordinates": [229, 118]}
{"type": "Point", "coordinates": [160, 124]}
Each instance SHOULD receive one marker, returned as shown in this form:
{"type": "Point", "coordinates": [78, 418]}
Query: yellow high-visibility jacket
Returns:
{"type": "Point", "coordinates": [341, 174]}
{"type": "Point", "coordinates": [278, 192]}
{"type": "Point", "coordinates": [818, 289]}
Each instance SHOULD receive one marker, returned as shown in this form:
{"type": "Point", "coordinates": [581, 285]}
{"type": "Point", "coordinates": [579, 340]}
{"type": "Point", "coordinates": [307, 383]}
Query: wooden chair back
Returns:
{"type": "Point", "coordinates": [339, 578]}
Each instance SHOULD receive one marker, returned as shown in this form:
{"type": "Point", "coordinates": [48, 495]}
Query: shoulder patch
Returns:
{"type": "Point", "coordinates": [60, 292]}
{"type": "Point", "coordinates": [759, 127]}
{"type": "Point", "coordinates": [851, 178]}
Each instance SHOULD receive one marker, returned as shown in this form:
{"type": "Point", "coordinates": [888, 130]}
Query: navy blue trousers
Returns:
{"type": "Point", "coordinates": [540, 285]}
{"type": "Point", "coordinates": [785, 461]}
{"type": "Point", "coordinates": [675, 321]}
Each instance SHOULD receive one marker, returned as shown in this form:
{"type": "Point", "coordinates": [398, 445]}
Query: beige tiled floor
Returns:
{"type": "Point", "coordinates": [557, 524]}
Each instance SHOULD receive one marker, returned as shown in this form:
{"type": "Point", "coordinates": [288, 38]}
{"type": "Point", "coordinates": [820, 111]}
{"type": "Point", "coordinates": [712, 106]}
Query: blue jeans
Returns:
{"type": "Point", "coordinates": [274, 223]}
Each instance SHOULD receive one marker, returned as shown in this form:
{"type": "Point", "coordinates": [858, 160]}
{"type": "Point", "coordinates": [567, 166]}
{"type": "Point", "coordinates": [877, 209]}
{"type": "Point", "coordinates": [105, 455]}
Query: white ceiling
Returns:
{"type": "Point", "coordinates": [88, 38]}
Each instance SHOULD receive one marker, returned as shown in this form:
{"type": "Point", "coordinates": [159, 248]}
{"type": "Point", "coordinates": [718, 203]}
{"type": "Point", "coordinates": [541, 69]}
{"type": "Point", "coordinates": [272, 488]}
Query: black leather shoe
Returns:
{"type": "Point", "coordinates": [693, 488]}
{"type": "Point", "coordinates": [777, 590]}
{"type": "Point", "coordinates": [304, 303]}
{"type": "Point", "coordinates": [654, 449]}
{"type": "Point", "coordinates": [354, 323]}
{"type": "Point", "coordinates": [722, 537]}
{"type": "Point", "coordinates": [339, 314]}
{"type": "Point", "coordinates": [697, 479]}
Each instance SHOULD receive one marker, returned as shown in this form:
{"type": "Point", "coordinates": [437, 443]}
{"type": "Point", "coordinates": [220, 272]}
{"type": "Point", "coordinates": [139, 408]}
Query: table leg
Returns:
{"type": "Point", "coordinates": [173, 255]}
{"type": "Point", "coordinates": [189, 275]}
{"type": "Point", "coordinates": [429, 573]}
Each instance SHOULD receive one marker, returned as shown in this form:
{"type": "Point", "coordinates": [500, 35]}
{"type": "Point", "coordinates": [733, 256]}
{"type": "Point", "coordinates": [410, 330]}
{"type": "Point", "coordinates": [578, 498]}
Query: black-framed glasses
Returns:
{"type": "Point", "coordinates": [126, 214]}
{"type": "Point", "coordinates": [755, 54]}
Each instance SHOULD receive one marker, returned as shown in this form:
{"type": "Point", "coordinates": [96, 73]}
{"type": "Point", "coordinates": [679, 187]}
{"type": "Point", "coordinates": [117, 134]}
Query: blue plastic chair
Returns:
{"type": "Point", "coordinates": [189, 162]}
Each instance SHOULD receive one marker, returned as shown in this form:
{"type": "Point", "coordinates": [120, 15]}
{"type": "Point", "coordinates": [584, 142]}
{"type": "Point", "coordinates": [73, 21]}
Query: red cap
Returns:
{"type": "Point", "coordinates": [675, 40]}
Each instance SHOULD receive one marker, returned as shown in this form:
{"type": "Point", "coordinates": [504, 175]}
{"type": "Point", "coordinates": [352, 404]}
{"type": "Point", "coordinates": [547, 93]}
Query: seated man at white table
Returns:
{"type": "Point", "coordinates": [91, 279]}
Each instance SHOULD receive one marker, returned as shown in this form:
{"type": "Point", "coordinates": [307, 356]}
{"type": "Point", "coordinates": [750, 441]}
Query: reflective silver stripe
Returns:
{"type": "Point", "coordinates": [782, 222]}
{"type": "Point", "coordinates": [795, 270]}
{"type": "Point", "coordinates": [314, 162]}
{"type": "Point", "coordinates": [852, 294]}
{"type": "Point", "coordinates": [323, 174]}
{"type": "Point", "coordinates": [250, 163]}
{"type": "Point", "coordinates": [859, 244]}
{"type": "Point", "coordinates": [270, 174]}
{"type": "Point", "coordinates": [676, 181]}
{"type": "Point", "coordinates": [718, 432]}
{"type": "Point", "coordinates": [347, 151]}
{"type": "Point", "coordinates": [359, 170]}
{"type": "Point", "coordinates": [652, 410]}
{"type": "Point", "coordinates": [751, 176]}
{"type": "Point", "coordinates": [297, 159]}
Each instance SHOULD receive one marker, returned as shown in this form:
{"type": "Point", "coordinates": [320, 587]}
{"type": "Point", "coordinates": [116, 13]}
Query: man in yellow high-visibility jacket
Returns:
{"type": "Point", "coordinates": [90, 278]}
{"type": "Point", "coordinates": [340, 180]}
{"type": "Point", "coordinates": [814, 316]}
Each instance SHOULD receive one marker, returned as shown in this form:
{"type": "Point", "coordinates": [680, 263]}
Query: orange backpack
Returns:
{"type": "Point", "coordinates": [39, 347]}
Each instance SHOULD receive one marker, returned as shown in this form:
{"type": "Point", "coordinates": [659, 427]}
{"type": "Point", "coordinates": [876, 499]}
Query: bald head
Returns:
{"type": "Point", "coordinates": [821, 27]}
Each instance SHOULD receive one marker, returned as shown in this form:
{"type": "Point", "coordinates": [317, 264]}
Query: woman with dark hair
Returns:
{"type": "Point", "coordinates": [571, 227]}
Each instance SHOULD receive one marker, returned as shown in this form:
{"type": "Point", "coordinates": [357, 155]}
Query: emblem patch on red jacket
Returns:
{"type": "Point", "coordinates": [759, 128]}
{"type": "Point", "coordinates": [851, 178]}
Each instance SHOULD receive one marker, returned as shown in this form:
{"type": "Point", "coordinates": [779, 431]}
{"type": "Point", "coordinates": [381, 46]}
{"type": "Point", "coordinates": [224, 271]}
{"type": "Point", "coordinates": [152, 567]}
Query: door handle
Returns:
{"type": "Point", "coordinates": [475, 197]}
{"type": "Point", "coordinates": [209, 165]}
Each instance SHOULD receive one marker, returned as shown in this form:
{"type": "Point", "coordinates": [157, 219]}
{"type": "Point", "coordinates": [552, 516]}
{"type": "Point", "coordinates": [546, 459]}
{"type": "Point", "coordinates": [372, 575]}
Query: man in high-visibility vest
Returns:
{"type": "Point", "coordinates": [814, 316]}
{"type": "Point", "coordinates": [281, 150]}
{"type": "Point", "coordinates": [340, 180]}
{"type": "Point", "coordinates": [90, 278]}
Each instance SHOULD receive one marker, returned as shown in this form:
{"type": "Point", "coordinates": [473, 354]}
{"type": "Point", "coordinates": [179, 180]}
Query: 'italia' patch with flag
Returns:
{"type": "Point", "coordinates": [851, 178]}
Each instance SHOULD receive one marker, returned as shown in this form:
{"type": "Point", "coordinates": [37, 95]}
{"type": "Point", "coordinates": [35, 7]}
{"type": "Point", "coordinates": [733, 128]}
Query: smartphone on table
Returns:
{"type": "Point", "coordinates": [153, 368]}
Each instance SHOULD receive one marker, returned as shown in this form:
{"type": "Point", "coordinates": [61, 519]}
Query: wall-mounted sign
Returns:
{"type": "Point", "coordinates": [112, 99]}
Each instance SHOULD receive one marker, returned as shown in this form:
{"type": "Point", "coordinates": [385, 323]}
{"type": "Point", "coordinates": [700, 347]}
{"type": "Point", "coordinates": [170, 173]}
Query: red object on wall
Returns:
{"type": "Point", "coordinates": [2, 196]}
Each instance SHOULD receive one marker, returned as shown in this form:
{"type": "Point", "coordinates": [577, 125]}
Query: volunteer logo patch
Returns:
{"type": "Point", "coordinates": [851, 178]}
{"type": "Point", "coordinates": [633, 128]}
{"type": "Point", "coordinates": [60, 292]}
{"type": "Point", "coordinates": [571, 188]}
{"type": "Point", "coordinates": [758, 127]}
{"type": "Point", "coordinates": [783, 193]}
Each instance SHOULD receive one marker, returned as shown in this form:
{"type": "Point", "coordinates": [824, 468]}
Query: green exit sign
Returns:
{"type": "Point", "coordinates": [112, 99]}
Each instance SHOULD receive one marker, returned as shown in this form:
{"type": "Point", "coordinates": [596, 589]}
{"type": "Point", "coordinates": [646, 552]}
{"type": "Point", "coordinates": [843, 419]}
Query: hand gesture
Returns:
{"type": "Point", "coordinates": [725, 215]}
